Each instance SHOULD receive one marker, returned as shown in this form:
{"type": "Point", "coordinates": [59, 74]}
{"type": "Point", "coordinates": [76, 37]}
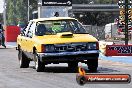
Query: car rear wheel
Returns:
{"type": "Point", "coordinates": [23, 60]}
{"type": "Point", "coordinates": [73, 66]}
{"type": "Point", "coordinates": [92, 65]}
{"type": "Point", "coordinates": [39, 66]}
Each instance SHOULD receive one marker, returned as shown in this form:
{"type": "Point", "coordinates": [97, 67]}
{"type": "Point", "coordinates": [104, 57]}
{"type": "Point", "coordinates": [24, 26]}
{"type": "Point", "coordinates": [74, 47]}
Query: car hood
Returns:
{"type": "Point", "coordinates": [61, 38]}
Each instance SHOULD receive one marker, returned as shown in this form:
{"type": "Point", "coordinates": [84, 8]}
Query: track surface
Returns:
{"type": "Point", "coordinates": [55, 76]}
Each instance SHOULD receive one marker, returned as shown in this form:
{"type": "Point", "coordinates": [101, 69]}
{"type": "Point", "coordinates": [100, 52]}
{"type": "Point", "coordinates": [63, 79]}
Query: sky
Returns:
{"type": "Point", "coordinates": [1, 6]}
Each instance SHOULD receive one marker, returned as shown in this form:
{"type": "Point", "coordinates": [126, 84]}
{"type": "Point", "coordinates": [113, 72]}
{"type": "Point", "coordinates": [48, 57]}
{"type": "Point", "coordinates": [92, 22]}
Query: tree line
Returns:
{"type": "Point", "coordinates": [16, 10]}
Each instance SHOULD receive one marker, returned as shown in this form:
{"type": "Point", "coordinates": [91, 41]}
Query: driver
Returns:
{"type": "Point", "coordinates": [56, 27]}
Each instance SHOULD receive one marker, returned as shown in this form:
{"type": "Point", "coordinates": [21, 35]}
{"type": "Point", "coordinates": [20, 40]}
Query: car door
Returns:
{"type": "Point", "coordinates": [29, 39]}
{"type": "Point", "coordinates": [24, 35]}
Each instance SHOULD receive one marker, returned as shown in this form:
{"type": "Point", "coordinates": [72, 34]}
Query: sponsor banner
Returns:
{"type": "Point", "coordinates": [83, 78]}
{"type": "Point", "coordinates": [103, 78]}
{"type": "Point", "coordinates": [118, 50]}
{"type": "Point", "coordinates": [56, 2]}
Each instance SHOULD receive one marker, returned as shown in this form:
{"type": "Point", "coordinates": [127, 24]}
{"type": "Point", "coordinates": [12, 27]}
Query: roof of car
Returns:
{"type": "Point", "coordinates": [53, 18]}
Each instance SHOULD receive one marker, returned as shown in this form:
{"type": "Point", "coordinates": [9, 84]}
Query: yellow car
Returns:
{"type": "Point", "coordinates": [57, 40]}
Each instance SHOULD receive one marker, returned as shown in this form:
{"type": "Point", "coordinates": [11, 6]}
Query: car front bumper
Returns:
{"type": "Point", "coordinates": [66, 56]}
{"type": "Point", "coordinates": [68, 53]}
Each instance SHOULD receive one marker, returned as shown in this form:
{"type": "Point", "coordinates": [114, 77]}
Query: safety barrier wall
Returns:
{"type": "Point", "coordinates": [118, 50]}
{"type": "Point", "coordinates": [11, 33]}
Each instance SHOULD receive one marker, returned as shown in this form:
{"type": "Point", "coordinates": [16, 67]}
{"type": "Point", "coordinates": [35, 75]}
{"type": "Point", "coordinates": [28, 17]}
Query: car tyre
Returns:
{"type": "Point", "coordinates": [23, 60]}
{"type": "Point", "coordinates": [92, 65]}
{"type": "Point", "coordinates": [73, 66]}
{"type": "Point", "coordinates": [39, 66]}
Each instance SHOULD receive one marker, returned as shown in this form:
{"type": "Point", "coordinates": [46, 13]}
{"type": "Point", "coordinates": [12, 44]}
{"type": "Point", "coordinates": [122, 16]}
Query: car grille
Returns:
{"type": "Point", "coordinates": [70, 47]}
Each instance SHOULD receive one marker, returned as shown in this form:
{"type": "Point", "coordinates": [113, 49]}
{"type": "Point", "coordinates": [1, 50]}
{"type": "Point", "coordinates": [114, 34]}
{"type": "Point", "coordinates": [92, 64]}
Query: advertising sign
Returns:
{"type": "Point", "coordinates": [85, 78]}
{"type": "Point", "coordinates": [56, 2]}
{"type": "Point", "coordinates": [119, 50]}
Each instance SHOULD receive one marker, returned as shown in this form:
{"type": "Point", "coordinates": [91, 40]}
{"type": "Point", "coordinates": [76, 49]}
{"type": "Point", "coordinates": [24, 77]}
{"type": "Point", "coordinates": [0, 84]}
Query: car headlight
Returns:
{"type": "Point", "coordinates": [92, 45]}
{"type": "Point", "coordinates": [49, 48]}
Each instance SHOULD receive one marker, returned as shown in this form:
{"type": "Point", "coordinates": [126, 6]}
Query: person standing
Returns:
{"type": "Point", "coordinates": [56, 14]}
{"type": "Point", "coordinates": [2, 35]}
{"type": "Point", "coordinates": [21, 24]}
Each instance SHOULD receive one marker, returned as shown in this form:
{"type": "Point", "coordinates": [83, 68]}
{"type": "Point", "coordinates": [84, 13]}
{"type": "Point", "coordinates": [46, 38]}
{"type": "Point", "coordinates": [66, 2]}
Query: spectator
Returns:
{"type": "Point", "coordinates": [56, 14]}
{"type": "Point", "coordinates": [21, 25]}
{"type": "Point", "coordinates": [2, 36]}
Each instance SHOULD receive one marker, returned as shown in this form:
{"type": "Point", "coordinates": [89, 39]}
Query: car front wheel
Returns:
{"type": "Point", "coordinates": [92, 65]}
{"type": "Point", "coordinates": [73, 66]}
{"type": "Point", "coordinates": [39, 66]}
{"type": "Point", "coordinates": [23, 60]}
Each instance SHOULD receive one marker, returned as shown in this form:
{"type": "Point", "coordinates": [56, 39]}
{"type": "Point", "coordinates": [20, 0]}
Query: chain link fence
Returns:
{"type": "Point", "coordinates": [106, 32]}
{"type": "Point", "coordinates": [96, 31]}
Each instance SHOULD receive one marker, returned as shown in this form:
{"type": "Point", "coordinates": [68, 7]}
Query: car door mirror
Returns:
{"type": "Point", "coordinates": [23, 32]}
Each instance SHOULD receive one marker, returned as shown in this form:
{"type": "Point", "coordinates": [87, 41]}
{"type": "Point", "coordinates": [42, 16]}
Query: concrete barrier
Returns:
{"type": "Point", "coordinates": [11, 33]}
{"type": "Point", "coordinates": [102, 46]}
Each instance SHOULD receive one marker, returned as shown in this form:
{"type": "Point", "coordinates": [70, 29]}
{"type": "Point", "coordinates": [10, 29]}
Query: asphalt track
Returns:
{"type": "Point", "coordinates": [54, 76]}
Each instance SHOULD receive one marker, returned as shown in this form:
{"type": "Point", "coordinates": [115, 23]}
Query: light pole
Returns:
{"type": "Point", "coordinates": [4, 14]}
{"type": "Point", "coordinates": [125, 4]}
{"type": "Point", "coordinates": [126, 22]}
{"type": "Point", "coordinates": [28, 10]}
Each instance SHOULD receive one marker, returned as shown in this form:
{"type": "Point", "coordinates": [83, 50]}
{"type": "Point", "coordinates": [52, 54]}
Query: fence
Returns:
{"type": "Point", "coordinates": [96, 31]}
{"type": "Point", "coordinates": [101, 32]}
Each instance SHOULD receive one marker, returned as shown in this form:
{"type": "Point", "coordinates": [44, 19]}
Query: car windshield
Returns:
{"type": "Point", "coordinates": [59, 26]}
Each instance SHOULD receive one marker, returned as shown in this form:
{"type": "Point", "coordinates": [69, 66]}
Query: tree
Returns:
{"type": "Point", "coordinates": [17, 10]}
{"type": "Point", "coordinates": [33, 7]}
{"type": "Point", "coordinates": [1, 18]}
{"type": "Point", "coordinates": [21, 10]}
{"type": "Point", "coordinates": [11, 12]}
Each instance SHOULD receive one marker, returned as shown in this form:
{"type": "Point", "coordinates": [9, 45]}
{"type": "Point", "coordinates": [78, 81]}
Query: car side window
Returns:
{"type": "Point", "coordinates": [25, 30]}
{"type": "Point", "coordinates": [31, 30]}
